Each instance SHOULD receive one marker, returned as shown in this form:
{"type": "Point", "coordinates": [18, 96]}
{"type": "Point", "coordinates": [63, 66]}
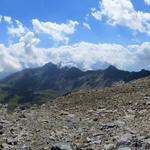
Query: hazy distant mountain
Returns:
{"type": "Point", "coordinates": [50, 81]}
{"type": "Point", "coordinates": [4, 74]}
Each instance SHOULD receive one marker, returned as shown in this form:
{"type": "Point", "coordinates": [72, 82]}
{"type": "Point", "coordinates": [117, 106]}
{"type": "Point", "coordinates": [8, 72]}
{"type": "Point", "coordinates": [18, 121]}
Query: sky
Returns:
{"type": "Point", "coordinates": [89, 34]}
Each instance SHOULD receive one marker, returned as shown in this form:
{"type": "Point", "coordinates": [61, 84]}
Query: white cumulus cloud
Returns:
{"type": "Point", "coordinates": [96, 14]}
{"type": "Point", "coordinates": [17, 30]}
{"type": "Point", "coordinates": [58, 32]}
{"type": "Point", "coordinates": [8, 61]}
{"type": "Point", "coordinates": [147, 2]}
{"type": "Point", "coordinates": [26, 53]}
{"type": "Point", "coordinates": [7, 19]}
{"type": "Point", "coordinates": [122, 12]}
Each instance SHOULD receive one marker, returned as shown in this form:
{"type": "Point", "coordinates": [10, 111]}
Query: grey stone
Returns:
{"type": "Point", "coordinates": [124, 148]}
{"type": "Point", "coordinates": [109, 146]}
{"type": "Point", "coordinates": [125, 140]}
{"type": "Point", "coordinates": [62, 146]}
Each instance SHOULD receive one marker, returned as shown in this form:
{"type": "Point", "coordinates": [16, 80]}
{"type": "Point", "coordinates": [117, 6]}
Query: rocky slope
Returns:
{"type": "Point", "coordinates": [116, 118]}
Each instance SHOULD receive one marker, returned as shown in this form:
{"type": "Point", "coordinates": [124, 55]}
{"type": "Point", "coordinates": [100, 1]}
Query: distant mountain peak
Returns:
{"type": "Point", "coordinates": [111, 68]}
{"type": "Point", "coordinates": [144, 70]}
{"type": "Point", "coordinates": [50, 65]}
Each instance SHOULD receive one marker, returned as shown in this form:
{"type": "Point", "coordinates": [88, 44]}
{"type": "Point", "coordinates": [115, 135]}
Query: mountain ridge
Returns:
{"type": "Point", "coordinates": [50, 81]}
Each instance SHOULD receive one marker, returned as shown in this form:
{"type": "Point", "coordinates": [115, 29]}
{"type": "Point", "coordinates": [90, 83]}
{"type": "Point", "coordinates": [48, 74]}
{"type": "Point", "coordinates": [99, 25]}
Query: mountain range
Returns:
{"type": "Point", "coordinates": [50, 81]}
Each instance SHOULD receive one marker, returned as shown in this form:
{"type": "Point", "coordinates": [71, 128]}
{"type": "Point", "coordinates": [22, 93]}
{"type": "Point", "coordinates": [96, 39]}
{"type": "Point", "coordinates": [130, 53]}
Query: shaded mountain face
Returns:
{"type": "Point", "coordinates": [50, 81]}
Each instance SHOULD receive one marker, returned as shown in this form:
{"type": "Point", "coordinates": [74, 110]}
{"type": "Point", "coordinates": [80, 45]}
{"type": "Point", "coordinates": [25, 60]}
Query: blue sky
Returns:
{"type": "Point", "coordinates": [62, 10]}
{"type": "Point", "coordinates": [42, 30]}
